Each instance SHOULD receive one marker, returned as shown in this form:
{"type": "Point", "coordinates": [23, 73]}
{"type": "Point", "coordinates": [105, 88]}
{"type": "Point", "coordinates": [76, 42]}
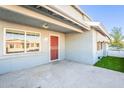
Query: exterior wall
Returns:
{"type": "Point", "coordinates": [20, 61]}
{"type": "Point", "coordinates": [79, 47]}
{"type": "Point", "coordinates": [96, 38]}
{"type": "Point", "coordinates": [82, 47]}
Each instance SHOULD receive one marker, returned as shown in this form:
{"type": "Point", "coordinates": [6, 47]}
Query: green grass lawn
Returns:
{"type": "Point", "coordinates": [113, 63]}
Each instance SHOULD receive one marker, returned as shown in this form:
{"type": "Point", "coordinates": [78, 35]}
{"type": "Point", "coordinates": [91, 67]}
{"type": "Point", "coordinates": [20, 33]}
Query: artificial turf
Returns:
{"type": "Point", "coordinates": [113, 63]}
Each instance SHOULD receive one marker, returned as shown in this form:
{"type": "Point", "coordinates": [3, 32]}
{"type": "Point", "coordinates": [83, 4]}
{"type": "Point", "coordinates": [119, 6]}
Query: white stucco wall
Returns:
{"type": "Point", "coordinates": [82, 47]}
{"type": "Point", "coordinates": [79, 47]}
{"type": "Point", "coordinates": [97, 37]}
{"type": "Point", "coordinates": [10, 63]}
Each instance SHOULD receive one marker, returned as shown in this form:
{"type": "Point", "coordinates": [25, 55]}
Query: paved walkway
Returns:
{"type": "Point", "coordinates": [63, 74]}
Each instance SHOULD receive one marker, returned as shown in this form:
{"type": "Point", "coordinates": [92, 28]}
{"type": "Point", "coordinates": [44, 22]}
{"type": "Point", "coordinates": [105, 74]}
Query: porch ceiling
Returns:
{"type": "Point", "coordinates": [22, 19]}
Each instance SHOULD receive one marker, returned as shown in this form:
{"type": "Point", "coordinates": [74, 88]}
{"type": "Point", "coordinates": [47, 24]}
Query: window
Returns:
{"type": "Point", "coordinates": [103, 45]}
{"type": "Point", "coordinates": [21, 41]}
{"type": "Point", "coordinates": [32, 41]}
{"type": "Point", "coordinates": [99, 45]}
{"type": "Point", "coordinates": [14, 39]}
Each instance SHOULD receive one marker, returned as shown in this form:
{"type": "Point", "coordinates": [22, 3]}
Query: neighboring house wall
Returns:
{"type": "Point", "coordinates": [20, 61]}
{"type": "Point", "coordinates": [79, 47]}
{"type": "Point", "coordinates": [116, 53]}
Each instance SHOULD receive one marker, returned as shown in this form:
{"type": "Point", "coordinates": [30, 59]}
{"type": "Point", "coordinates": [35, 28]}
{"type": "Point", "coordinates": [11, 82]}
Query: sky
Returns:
{"type": "Point", "coordinates": [110, 15]}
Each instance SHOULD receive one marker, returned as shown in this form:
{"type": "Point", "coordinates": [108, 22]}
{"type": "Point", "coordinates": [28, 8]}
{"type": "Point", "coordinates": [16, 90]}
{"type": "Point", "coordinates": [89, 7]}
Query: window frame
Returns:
{"type": "Point", "coordinates": [98, 46]}
{"type": "Point", "coordinates": [33, 44]}
{"type": "Point", "coordinates": [25, 31]}
{"type": "Point", "coordinates": [101, 45]}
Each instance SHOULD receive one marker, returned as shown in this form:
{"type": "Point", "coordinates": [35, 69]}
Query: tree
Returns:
{"type": "Point", "coordinates": [117, 36]}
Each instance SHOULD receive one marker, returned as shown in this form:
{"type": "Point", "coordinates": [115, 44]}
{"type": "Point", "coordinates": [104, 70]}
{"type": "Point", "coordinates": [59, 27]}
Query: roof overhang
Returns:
{"type": "Point", "coordinates": [81, 11]}
{"type": "Point", "coordinates": [60, 12]}
{"type": "Point", "coordinates": [33, 14]}
{"type": "Point", "coordinates": [100, 28]}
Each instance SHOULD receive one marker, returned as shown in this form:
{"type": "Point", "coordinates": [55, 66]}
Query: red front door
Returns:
{"type": "Point", "coordinates": [54, 47]}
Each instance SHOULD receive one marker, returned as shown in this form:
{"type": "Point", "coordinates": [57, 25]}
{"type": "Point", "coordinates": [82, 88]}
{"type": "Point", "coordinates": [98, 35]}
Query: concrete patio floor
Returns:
{"type": "Point", "coordinates": [63, 74]}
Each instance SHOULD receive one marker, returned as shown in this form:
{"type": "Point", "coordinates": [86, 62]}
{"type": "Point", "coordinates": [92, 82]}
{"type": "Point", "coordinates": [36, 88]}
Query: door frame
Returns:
{"type": "Point", "coordinates": [50, 47]}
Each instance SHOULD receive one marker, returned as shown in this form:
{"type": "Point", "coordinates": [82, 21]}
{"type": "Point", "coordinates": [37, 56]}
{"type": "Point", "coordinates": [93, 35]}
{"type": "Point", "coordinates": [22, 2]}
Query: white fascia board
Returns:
{"type": "Point", "coordinates": [54, 9]}
{"type": "Point", "coordinates": [33, 14]}
{"type": "Point", "coordinates": [99, 26]}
